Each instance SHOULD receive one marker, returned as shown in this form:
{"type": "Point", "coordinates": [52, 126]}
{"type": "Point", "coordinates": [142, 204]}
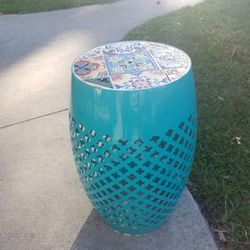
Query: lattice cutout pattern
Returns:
{"type": "Point", "coordinates": [134, 185]}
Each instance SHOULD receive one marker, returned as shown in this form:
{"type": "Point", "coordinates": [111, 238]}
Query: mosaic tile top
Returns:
{"type": "Point", "coordinates": [131, 65]}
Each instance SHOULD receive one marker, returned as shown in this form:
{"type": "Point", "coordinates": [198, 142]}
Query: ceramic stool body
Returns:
{"type": "Point", "coordinates": [133, 146]}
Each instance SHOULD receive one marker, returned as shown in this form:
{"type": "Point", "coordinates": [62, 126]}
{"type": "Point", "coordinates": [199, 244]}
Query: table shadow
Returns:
{"type": "Point", "coordinates": [185, 229]}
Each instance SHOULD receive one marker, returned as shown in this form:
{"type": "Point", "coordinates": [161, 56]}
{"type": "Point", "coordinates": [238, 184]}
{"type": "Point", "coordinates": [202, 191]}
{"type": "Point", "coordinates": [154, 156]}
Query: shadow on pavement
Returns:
{"type": "Point", "coordinates": [185, 229]}
{"type": "Point", "coordinates": [96, 235]}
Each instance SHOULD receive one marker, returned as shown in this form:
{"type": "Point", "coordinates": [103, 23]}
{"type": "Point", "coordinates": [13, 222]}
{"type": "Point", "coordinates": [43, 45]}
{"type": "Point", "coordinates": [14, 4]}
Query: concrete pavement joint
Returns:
{"type": "Point", "coordinates": [34, 118]}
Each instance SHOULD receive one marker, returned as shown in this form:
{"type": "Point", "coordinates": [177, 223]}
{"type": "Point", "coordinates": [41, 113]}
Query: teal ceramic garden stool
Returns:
{"type": "Point", "coordinates": [133, 130]}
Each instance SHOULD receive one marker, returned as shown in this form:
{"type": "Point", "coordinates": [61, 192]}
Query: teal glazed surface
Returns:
{"type": "Point", "coordinates": [134, 149]}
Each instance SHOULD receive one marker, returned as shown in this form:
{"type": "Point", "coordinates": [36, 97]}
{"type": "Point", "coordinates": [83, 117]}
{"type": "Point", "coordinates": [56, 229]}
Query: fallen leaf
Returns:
{"type": "Point", "coordinates": [222, 236]}
{"type": "Point", "coordinates": [220, 98]}
{"type": "Point", "coordinates": [236, 140]}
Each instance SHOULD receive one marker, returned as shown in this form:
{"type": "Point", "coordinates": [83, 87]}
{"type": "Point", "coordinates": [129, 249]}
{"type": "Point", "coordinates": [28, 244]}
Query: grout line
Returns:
{"type": "Point", "coordinates": [34, 118]}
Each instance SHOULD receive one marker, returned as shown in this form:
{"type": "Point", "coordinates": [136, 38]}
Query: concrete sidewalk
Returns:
{"type": "Point", "coordinates": [42, 202]}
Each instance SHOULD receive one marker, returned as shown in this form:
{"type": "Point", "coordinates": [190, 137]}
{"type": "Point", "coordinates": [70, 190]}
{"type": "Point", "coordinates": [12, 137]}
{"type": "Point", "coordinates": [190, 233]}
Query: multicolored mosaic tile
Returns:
{"type": "Point", "coordinates": [131, 65]}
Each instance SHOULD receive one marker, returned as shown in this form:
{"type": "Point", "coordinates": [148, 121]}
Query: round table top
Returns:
{"type": "Point", "coordinates": [131, 65]}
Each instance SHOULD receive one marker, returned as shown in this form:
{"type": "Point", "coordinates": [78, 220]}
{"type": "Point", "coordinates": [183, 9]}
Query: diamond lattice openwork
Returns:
{"type": "Point", "coordinates": [134, 185]}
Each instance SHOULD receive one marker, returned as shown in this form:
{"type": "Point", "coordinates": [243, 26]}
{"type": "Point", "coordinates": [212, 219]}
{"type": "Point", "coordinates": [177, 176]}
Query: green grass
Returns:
{"type": "Point", "coordinates": [27, 6]}
{"type": "Point", "coordinates": [216, 34]}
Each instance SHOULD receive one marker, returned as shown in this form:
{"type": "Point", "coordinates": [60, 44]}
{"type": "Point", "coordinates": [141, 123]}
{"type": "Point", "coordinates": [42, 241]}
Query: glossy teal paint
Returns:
{"type": "Point", "coordinates": [122, 137]}
{"type": "Point", "coordinates": [129, 114]}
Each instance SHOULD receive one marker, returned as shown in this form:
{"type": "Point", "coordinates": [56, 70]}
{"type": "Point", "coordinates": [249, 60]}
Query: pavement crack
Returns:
{"type": "Point", "coordinates": [34, 118]}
